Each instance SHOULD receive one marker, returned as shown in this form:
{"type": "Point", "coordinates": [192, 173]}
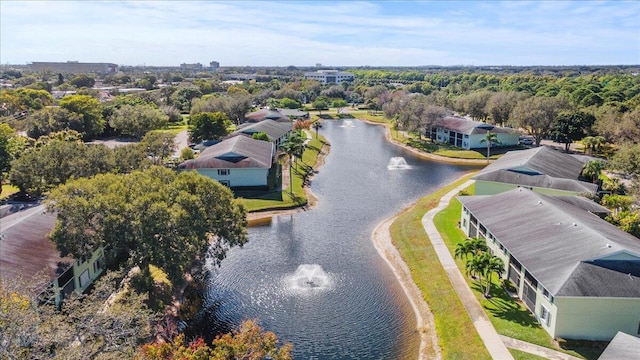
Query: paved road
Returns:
{"type": "Point", "coordinates": [182, 141]}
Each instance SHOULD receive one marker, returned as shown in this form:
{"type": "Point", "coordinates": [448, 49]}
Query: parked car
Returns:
{"type": "Point", "coordinates": [526, 141]}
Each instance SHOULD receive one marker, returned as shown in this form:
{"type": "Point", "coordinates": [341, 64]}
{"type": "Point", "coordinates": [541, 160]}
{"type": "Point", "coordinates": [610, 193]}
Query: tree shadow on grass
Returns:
{"type": "Point", "coordinates": [502, 306]}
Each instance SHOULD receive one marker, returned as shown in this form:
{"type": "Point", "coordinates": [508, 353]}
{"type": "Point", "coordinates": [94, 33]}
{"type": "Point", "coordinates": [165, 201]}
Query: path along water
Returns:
{"type": "Point", "coordinates": [314, 277]}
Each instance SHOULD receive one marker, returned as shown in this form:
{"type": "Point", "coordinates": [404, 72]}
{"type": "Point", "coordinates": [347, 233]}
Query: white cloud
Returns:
{"type": "Point", "coordinates": [303, 33]}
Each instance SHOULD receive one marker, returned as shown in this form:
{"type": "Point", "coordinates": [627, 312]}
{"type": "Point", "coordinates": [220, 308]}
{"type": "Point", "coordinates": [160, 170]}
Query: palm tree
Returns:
{"type": "Point", "coordinates": [589, 143]}
{"type": "Point", "coordinates": [490, 138]}
{"type": "Point", "coordinates": [292, 147]}
{"type": "Point", "coordinates": [463, 250]}
{"type": "Point", "coordinates": [493, 265]}
{"type": "Point", "coordinates": [478, 245]}
{"type": "Point", "coordinates": [598, 142]}
{"type": "Point", "coordinates": [593, 169]}
{"type": "Point", "coordinates": [475, 267]}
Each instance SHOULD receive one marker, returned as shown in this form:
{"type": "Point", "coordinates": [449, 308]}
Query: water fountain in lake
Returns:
{"type": "Point", "coordinates": [348, 124]}
{"type": "Point", "coordinates": [398, 163]}
{"type": "Point", "coordinates": [309, 277]}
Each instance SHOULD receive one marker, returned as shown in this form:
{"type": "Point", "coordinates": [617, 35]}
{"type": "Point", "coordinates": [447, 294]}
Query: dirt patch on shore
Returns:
{"type": "Point", "coordinates": [425, 323]}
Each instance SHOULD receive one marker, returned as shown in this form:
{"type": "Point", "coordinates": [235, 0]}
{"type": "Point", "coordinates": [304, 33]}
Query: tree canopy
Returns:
{"type": "Point", "coordinates": [137, 120]}
{"type": "Point", "coordinates": [90, 110]}
{"type": "Point", "coordinates": [172, 220]}
{"type": "Point", "coordinates": [208, 126]}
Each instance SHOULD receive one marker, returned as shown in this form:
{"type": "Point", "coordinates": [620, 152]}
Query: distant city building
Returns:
{"type": "Point", "coordinates": [75, 67]}
{"type": "Point", "coordinates": [191, 67]}
{"type": "Point", "coordinates": [329, 76]}
{"type": "Point", "coordinates": [214, 65]}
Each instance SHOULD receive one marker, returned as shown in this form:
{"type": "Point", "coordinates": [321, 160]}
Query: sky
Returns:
{"type": "Point", "coordinates": [332, 33]}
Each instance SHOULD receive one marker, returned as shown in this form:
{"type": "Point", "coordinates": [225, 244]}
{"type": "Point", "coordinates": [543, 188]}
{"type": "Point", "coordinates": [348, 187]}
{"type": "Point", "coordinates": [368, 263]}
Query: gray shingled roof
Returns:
{"type": "Point", "coordinates": [466, 126]}
{"type": "Point", "coordinates": [621, 279]}
{"type": "Point", "coordinates": [540, 160]}
{"type": "Point", "coordinates": [273, 129]}
{"type": "Point", "coordinates": [266, 114]}
{"type": "Point", "coordinates": [549, 236]}
{"type": "Point", "coordinates": [622, 347]}
{"type": "Point", "coordinates": [540, 181]}
{"type": "Point", "coordinates": [237, 152]}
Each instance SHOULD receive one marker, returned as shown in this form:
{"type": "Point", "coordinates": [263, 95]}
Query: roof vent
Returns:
{"type": "Point", "coordinates": [539, 202]}
{"type": "Point", "coordinates": [608, 246]}
{"type": "Point", "coordinates": [575, 224]}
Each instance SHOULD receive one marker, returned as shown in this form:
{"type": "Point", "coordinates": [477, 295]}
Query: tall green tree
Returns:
{"type": "Point", "coordinates": [90, 110]}
{"type": "Point", "coordinates": [52, 119]}
{"type": "Point", "coordinates": [52, 163]}
{"type": "Point", "coordinates": [320, 103]}
{"type": "Point", "coordinates": [137, 120]}
{"type": "Point", "coordinates": [158, 146]}
{"type": "Point", "coordinates": [627, 160]}
{"type": "Point", "coordinates": [537, 115]}
{"type": "Point", "coordinates": [175, 221]}
{"type": "Point", "coordinates": [570, 127]}
{"type": "Point", "coordinates": [208, 126]}
{"type": "Point", "coordinates": [82, 80]}
{"type": "Point", "coordinates": [10, 146]}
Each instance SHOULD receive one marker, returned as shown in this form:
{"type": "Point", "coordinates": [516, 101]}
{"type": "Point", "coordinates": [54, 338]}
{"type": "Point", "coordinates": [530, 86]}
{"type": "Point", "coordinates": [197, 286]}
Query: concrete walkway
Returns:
{"type": "Point", "coordinates": [490, 337]}
{"type": "Point", "coordinates": [536, 349]}
{"type": "Point", "coordinates": [495, 344]}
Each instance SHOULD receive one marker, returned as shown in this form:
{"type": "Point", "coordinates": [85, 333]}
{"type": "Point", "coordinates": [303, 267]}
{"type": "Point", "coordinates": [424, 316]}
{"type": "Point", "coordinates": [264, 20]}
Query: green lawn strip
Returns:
{"type": "Point", "coordinates": [508, 316]}
{"type": "Point", "coordinates": [8, 190]}
{"type": "Point", "coordinates": [457, 336]}
{"type": "Point", "coordinates": [284, 199]}
{"type": "Point", "coordinates": [521, 355]}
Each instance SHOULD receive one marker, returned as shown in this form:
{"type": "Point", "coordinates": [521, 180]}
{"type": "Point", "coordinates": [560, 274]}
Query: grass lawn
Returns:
{"type": "Point", "coordinates": [521, 355]}
{"type": "Point", "coordinates": [261, 201]}
{"type": "Point", "coordinates": [8, 190]}
{"type": "Point", "coordinates": [457, 336]}
{"type": "Point", "coordinates": [508, 316]}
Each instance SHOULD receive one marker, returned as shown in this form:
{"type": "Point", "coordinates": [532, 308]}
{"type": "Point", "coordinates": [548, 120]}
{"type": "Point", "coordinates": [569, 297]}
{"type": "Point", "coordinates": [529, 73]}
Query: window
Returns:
{"type": "Point", "coordinates": [223, 171]}
{"type": "Point", "coordinates": [547, 295]}
{"type": "Point", "coordinates": [97, 265]}
{"type": "Point", "coordinates": [545, 316]}
{"type": "Point", "coordinates": [464, 223]}
{"type": "Point", "coordinates": [84, 278]}
{"type": "Point", "coordinates": [466, 136]}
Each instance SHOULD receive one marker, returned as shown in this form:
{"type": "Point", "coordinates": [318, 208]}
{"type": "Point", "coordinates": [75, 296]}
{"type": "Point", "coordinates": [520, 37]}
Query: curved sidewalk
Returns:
{"type": "Point", "coordinates": [495, 344]}
{"type": "Point", "coordinates": [487, 332]}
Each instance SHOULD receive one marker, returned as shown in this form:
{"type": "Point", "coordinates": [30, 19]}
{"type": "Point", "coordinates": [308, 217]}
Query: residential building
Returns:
{"type": "Point", "coordinates": [28, 254]}
{"type": "Point", "coordinates": [276, 131]}
{"type": "Point", "coordinates": [329, 76]}
{"type": "Point", "coordinates": [469, 134]}
{"type": "Point", "coordinates": [266, 114]}
{"type": "Point", "coordinates": [622, 347]}
{"type": "Point", "coordinates": [578, 274]}
{"type": "Point", "coordinates": [541, 169]}
{"type": "Point", "coordinates": [238, 162]}
{"type": "Point", "coordinates": [74, 67]}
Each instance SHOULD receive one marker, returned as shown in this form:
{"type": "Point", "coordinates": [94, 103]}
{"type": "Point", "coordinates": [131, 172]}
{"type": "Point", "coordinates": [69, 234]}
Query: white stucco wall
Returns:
{"type": "Point", "coordinates": [491, 188]}
{"type": "Point", "coordinates": [239, 177]}
{"type": "Point", "coordinates": [596, 318]}
{"type": "Point", "coordinates": [506, 139]}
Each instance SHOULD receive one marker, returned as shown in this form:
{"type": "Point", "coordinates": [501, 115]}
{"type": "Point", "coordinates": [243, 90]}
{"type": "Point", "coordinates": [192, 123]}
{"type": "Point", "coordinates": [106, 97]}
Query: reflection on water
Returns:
{"type": "Point", "coordinates": [314, 277]}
